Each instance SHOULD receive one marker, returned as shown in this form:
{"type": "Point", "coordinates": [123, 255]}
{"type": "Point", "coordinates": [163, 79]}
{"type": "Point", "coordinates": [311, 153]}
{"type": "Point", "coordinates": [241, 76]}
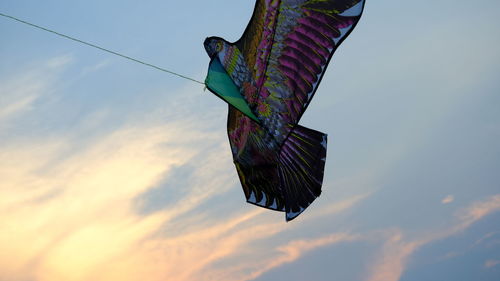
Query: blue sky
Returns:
{"type": "Point", "coordinates": [114, 171]}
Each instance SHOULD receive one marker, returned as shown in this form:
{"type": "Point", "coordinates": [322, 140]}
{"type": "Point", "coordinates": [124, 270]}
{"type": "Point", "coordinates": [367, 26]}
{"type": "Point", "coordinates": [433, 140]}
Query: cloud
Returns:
{"type": "Point", "coordinates": [148, 198]}
{"type": "Point", "coordinates": [393, 258]}
{"type": "Point", "coordinates": [80, 207]}
{"type": "Point", "coordinates": [66, 209]}
{"type": "Point", "coordinates": [72, 210]}
{"type": "Point", "coordinates": [478, 210]}
{"type": "Point", "coordinates": [96, 67]}
{"type": "Point", "coordinates": [340, 206]}
{"type": "Point", "coordinates": [17, 106]}
{"type": "Point", "coordinates": [90, 229]}
{"type": "Point", "coordinates": [236, 249]}
{"type": "Point", "coordinates": [491, 263]}
{"type": "Point", "coordinates": [59, 61]}
{"type": "Point", "coordinates": [488, 240]}
{"type": "Point", "coordinates": [295, 249]}
{"type": "Point", "coordinates": [19, 92]}
{"type": "Point", "coordinates": [448, 199]}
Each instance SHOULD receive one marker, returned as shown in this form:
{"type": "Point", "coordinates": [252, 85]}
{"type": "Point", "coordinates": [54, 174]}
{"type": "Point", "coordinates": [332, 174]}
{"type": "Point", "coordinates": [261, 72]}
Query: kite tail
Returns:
{"type": "Point", "coordinates": [261, 186]}
{"type": "Point", "coordinates": [301, 166]}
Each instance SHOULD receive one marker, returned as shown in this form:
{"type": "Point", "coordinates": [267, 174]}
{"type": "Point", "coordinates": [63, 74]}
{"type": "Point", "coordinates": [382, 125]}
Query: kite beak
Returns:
{"type": "Point", "coordinates": [206, 44]}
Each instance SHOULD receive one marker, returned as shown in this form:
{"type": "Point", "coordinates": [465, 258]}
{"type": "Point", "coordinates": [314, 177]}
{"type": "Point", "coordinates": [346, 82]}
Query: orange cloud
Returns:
{"type": "Point", "coordinates": [448, 199]}
{"type": "Point", "coordinates": [69, 212]}
{"type": "Point", "coordinates": [74, 213]}
{"type": "Point", "coordinates": [491, 263]}
{"type": "Point", "coordinates": [480, 209]}
{"type": "Point", "coordinates": [396, 251]}
{"type": "Point", "coordinates": [392, 260]}
{"type": "Point", "coordinates": [295, 249]}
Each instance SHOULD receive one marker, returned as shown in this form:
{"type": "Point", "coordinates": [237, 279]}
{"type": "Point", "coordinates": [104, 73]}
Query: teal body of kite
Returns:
{"type": "Point", "coordinates": [268, 77]}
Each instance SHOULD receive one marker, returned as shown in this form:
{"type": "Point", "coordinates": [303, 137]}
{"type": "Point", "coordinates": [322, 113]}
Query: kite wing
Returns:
{"type": "Point", "coordinates": [287, 46]}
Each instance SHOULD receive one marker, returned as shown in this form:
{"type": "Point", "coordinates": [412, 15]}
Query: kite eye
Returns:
{"type": "Point", "coordinates": [219, 46]}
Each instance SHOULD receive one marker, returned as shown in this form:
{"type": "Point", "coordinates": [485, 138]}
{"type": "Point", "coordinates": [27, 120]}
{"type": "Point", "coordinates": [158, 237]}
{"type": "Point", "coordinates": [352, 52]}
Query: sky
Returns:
{"type": "Point", "coordinates": [110, 170]}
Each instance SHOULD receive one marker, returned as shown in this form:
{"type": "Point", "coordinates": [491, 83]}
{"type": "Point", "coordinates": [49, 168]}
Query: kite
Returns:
{"type": "Point", "coordinates": [268, 77]}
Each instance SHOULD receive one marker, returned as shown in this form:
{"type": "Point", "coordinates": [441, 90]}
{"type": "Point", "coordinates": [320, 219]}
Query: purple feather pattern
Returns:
{"type": "Point", "coordinates": [280, 61]}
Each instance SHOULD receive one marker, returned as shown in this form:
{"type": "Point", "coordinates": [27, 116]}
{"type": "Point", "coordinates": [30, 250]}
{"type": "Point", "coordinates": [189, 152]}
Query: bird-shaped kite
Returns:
{"type": "Point", "coordinates": [268, 77]}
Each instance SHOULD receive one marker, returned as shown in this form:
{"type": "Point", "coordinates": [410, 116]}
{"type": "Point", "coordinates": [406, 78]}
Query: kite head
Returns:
{"type": "Point", "coordinates": [214, 45]}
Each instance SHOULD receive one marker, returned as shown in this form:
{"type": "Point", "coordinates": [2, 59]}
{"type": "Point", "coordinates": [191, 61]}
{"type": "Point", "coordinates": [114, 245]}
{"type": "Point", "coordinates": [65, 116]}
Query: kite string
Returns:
{"type": "Point", "coordinates": [101, 48]}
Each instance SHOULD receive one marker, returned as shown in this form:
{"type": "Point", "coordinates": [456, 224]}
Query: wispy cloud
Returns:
{"type": "Point", "coordinates": [296, 248]}
{"type": "Point", "coordinates": [20, 91]}
{"type": "Point", "coordinates": [80, 208]}
{"type": "Point", "coordinates": [73, 211]}
{"type": "Point", "coordinates": [65, 212]}
{"type": "Point", "coordinates": [81, 211]}
{"type": "Point", "coordinates": [478, 210]}
{"type": "Point", "coordinates": [340, 206]}
{"type": "Point", "coordinates": [393, 258]}
{"type": "Point", "coordinates": [448, 199]}
{"type": "Point", "coordinates": [396, 252]}
{"type": "Point", "coordinates": [17, 106]}
{"type": "Point", "coordinates": [491, 263]}
{"type": "Point", "coordinates": [488, 239]}
{"type": "Point", "coordinates": [96, 67]}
